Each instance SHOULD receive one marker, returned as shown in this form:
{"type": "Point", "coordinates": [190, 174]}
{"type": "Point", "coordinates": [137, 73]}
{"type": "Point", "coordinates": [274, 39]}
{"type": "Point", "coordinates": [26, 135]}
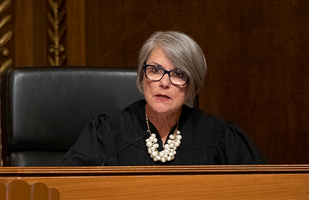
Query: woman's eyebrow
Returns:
{"type": "Point", "coordinates": [156, 64]}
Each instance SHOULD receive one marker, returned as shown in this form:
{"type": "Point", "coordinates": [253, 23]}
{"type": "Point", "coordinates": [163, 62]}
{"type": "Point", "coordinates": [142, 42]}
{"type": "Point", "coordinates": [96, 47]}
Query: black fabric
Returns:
{"type": "Point", "coordinates": [45, 109]}
{"type": "Point", "coordinates": [206, 140]}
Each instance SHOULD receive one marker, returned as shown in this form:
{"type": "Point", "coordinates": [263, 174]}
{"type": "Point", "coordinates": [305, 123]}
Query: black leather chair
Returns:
{"type": "Point", "coordinates": [44, 110]}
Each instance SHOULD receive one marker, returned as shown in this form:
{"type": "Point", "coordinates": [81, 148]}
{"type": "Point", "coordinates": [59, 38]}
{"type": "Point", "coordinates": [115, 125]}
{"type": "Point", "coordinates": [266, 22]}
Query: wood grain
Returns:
{"type": "Point", "coordinates": [179, 182]}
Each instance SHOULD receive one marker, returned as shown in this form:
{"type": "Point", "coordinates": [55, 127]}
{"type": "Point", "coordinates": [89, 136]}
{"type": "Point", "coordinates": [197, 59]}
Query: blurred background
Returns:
{"type": "Point", "coordinates": [257, 54]}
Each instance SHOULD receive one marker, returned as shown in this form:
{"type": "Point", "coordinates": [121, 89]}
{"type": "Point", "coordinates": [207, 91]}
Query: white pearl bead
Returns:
{"type": "Point", "coordinates": [172, 137]}
{"type": "Point", "coordinates": [148, 144]}
{"type": "Point", "coordinates": [179, 137]}
{"type": "Point", "coordinates": [177, 144]}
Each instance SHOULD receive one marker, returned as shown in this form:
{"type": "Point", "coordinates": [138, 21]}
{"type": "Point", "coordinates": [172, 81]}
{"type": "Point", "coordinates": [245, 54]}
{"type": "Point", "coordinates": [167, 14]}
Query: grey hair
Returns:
{"type": "Point", "coordinates": [183, 52]}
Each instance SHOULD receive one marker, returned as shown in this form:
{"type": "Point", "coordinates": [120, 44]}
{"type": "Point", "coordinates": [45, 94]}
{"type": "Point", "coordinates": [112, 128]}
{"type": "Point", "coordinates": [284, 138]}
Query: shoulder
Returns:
{"type": "Point", "coordinates": [230, 142]}
{"type": "Point", "coordinates": [130, 118]}
{"type": "Point", "coordinates": [209, 127]}
{"type": "Point", "coordinates": [198, 118]}
{"type": "Point", "coordinates": [130, 112]}
{"type": "Point", "coordinates": [133, 112]}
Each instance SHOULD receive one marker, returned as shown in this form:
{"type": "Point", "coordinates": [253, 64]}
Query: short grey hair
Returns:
{"type": "Point", "coordinates": [183, 52]}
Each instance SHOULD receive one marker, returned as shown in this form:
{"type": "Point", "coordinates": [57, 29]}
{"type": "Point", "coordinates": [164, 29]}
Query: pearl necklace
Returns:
{"type": "Point", "coordinates": [169, 150]}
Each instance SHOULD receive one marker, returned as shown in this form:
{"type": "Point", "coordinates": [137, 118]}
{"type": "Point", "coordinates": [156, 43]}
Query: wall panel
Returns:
{"type": "Point", "coordinates": [30, 33]}
{"type": "Point", "coordinates": [76, 33]}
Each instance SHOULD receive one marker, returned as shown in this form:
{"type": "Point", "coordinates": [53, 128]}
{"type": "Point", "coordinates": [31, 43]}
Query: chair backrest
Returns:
{"type": "Point", "coordinates": [44, 110]}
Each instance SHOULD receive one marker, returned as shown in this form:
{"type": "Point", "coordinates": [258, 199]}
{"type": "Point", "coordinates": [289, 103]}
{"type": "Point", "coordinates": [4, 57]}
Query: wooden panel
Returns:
{"type": "Point", "coordinates": [21, 190]}
{"type": "Point", "coordinates": [177, 182]}
{"type": "Point", "coordinates": [18, 190]}
{"type": "Point", "coordinates": [76, 33]}
{"type": "Point", "coordinates": [117, 29]}
{"type": "Point", "coordinates": [259, 78]}
{"type": "Point", "coordinates": [2, 192]}
{"type": "Point", "coordinates": [30, 33]}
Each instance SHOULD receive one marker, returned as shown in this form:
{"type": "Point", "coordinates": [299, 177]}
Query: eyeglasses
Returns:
{"type": "Point", "coordinates": [156, 73]}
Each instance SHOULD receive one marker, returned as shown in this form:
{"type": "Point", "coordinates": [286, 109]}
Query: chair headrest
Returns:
{"type": "Point", "coordinates": [49, 107]}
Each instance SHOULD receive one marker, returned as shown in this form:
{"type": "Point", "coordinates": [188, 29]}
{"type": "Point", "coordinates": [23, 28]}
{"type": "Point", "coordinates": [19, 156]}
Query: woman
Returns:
{"type": "Point", "coordinates": [171, 72]}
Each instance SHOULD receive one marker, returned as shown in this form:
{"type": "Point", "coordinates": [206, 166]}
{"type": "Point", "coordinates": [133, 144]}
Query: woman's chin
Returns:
{"type": "Point", "coordinates": [163, 109]}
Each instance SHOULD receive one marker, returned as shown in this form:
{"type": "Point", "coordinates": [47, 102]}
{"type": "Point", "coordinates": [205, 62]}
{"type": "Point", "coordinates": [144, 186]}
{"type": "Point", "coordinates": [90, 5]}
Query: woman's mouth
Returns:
{"type": "Point", "coordinates": [163, 97]}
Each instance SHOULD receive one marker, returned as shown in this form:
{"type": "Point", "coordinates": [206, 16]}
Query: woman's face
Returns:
{"type": "Point", "coordinates": [162, 96]}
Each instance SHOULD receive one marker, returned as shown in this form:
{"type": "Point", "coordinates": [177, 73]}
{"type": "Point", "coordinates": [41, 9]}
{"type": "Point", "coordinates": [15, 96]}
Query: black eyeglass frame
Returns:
{"type": "Point", "coordinates": [165, 72]}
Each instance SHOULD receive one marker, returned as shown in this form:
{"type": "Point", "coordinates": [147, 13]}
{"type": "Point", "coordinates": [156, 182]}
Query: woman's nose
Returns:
{"type": "Point", "coordinates": [165, 81]}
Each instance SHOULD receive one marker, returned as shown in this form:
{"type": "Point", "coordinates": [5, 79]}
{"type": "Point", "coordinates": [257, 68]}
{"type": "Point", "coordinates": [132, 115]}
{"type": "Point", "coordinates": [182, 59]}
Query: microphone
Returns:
{"type": "Point", "coordinates": [145, 135]}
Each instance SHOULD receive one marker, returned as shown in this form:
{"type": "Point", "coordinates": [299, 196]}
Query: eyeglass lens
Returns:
{"type": "Point", "coordinates": [156, 73]}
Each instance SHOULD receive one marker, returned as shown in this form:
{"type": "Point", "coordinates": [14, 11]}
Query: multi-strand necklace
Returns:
{"type": "Point", "coordinates": [169, 149]}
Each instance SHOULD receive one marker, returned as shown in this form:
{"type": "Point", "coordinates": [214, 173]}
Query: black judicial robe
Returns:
{"type": "Point", "coordinates": [206, 140]}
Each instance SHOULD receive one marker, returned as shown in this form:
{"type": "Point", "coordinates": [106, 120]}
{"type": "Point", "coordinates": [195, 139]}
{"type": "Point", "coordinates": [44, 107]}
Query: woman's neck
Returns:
{"type": "Point", "coordinates": [163, 122]}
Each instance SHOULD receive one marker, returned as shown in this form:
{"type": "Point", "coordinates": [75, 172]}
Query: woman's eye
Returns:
{"type": "Point", "coordinates": [156, 68]}
{"type": "Point", "coordinates": [179, 73]}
